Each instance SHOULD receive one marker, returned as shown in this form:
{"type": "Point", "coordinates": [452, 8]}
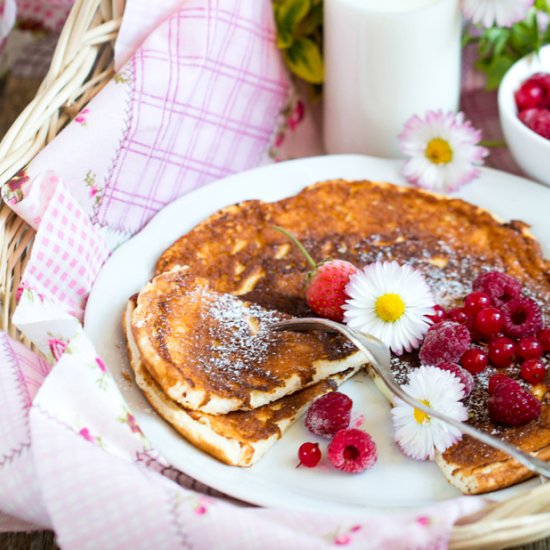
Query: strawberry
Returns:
{"type": "Point", "coordinates": [326, 287]}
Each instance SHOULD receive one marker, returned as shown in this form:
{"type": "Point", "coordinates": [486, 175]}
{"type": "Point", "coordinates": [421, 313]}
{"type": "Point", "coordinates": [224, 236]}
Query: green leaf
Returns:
{"type": "Point", "coordinates": [542, 5]}
{"type": "Point", "coordinates": [524, 35]}
{"type": "Point", "coordinates": [289, 14]}
{"type": "Point", "coordinates": [284, 40]}
{"type": "Point", "coordinates": [313, 20]}
{"type": "Point", "coordinates": [495, 69]}
{"type": "Point", "coordinates": [304, 60]}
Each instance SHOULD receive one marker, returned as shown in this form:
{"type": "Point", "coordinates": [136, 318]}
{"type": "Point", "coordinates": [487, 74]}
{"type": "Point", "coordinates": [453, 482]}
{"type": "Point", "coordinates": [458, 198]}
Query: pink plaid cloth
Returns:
{"type": "Point", "coordinates": [197, 99]}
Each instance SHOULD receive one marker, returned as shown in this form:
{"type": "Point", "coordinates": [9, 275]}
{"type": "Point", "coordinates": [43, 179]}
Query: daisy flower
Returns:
{"type": "Point", "coordinates": [417, 434]}
{"type": "Point", "coordinates": [390, 302]}
{"type": "Point", "coordinates": [503, 13]}
{"type": "Point", "coordinates": [443, 151]}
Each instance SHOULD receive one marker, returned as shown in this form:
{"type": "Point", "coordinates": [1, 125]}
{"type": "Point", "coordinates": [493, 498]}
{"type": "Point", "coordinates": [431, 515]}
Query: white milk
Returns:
{"type": "Point", "coordinates": [386, 60]}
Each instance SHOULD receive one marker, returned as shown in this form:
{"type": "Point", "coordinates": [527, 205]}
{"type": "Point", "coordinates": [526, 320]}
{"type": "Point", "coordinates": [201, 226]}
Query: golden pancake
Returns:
{"type": "Point", "coordinates": [215, 353]}
{"type": "Point", "coordinates": [448, 240]}
{"type": "Point", "coordinates": [238, 438]}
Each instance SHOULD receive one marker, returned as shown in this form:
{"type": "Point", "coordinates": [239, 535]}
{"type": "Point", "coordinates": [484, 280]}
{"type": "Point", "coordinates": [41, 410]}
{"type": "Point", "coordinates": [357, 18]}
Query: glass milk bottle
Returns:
{"type": "Point", "coordinates": [386, 60]}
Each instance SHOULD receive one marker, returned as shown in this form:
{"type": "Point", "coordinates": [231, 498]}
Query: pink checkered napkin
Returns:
{"type": "Point", "coordinates": [76, 460]}
{"type": "Point", "coordinates": [199, 100]}
{"type": "Point", "coordinates": [67, 254]}
{"type": "Point", "coordinates": [95, 480]}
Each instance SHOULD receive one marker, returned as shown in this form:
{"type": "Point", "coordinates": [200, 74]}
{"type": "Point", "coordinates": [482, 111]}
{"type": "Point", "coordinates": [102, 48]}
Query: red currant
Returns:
{"type": "Point", "coordinates": [476, 301]}
{"type": "Point", "coordinates": [529, 348]}
{"type": "Point", "coordinates": [544, 338]}
{"type": "Point", "coordinates": [474, 360]}
{"type": "Point", "coordinates": [530, 94]}
{"type": "Point", "coordinates": [458, 315]}
{"type": "Point", "coordinates": [438, 315]}
{"type": "Point", "coordinates": [533, 371]}
{"type": "Point", "coordinates": [502, 352]}
{"type": "Point", "coordinates": [309, 454]}
{"type": "Point", "coordinates": [489, 321]}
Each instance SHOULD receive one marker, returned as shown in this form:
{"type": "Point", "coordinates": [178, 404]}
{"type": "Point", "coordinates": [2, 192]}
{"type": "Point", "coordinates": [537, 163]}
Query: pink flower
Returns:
{"type": "Point", "coordinates": [355, 528]}
{"type": "Point", "coordinates": [279, 139]}
{"type": "Point", "coordinates": [133, 424]}
{"type": "Point", "coordinates": [18, 293]}
{"type": "Point", "coordinates": [423, 520]}
{"type": "Point", "coordinates": [201, 510]}
{"type": "Point", "coordinates": [57, 347]}
{"type": "Point", "coordinates": [342, 540]}
{"type": "Point", "coordinates": [101, 364]}
{"type": "Point", "coordinates": [297, 115]}
{"type": "Point", "coordinates": [443, 151]}
{"type": "Point", "coordinates": [17, 181]}
{"type": "Point", "coordinates": [85, 433]}
{"type": "Point", "coordinates": [93, 191]}
{"type": "Point", "coordinates": [81, 118]}
{"type": "Point", "coordinates": [502, 13]}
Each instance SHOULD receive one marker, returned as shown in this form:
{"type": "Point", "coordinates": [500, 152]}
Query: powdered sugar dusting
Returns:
{"type": "Point", "coordinates": [239, 336]}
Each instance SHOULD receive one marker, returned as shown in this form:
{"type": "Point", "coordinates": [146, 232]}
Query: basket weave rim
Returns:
{"type": "Point", "coordinates": [76, 74]}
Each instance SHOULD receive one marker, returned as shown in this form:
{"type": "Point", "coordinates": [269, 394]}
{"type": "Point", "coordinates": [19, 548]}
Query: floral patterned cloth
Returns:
{"type": "Point", "coordinates": [72, 456]}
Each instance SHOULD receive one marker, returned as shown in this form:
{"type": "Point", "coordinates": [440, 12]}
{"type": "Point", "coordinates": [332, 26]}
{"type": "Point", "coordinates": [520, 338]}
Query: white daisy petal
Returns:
{"type": "Point", "coordinates": [443, 392]}
{"type": "Point", "coordinates": [503, 13]}
{"type": "Point", "coordinates": [442, 150]}
{"type": "Point", "coordinates": [381, 279]}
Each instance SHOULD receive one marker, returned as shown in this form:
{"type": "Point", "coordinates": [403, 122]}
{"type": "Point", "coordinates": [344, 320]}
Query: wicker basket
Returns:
{"type": "Point", "coordinates": [81, 66]}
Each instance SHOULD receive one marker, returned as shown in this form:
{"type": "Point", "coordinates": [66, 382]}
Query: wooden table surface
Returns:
{"type": "Point", "coordinates": [45, 541]}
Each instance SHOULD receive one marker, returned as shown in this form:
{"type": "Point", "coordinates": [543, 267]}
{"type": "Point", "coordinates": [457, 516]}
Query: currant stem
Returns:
{"type": "Point", "coordinates": [300, 246]}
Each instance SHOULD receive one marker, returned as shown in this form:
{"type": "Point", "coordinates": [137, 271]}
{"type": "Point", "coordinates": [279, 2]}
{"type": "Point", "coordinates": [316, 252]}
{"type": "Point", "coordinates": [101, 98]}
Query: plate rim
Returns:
{"type": "Point", "coordinates": [227, 182]}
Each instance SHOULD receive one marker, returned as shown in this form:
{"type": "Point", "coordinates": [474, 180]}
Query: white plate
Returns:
{"type": "Point", "coordinates": [395, 481]}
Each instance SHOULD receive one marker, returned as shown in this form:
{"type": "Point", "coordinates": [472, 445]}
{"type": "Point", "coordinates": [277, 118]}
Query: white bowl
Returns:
{"type": "Point", "coordinates": [531, 151]}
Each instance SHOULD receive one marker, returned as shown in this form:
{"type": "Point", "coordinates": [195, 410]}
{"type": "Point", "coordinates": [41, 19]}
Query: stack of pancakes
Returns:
{"type": "Point", "coordinates": [198, 333]}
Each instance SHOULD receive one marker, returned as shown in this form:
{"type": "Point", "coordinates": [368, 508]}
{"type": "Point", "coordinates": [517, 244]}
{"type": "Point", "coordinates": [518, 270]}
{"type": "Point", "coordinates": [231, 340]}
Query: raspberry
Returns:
{"type": "Point", "coordinates": [522, 317]}
{"type": "Point", "coordinates": [352, 451]}
{"type": "Point", "coordinates": [512, 405]}
{"type": "Point", "coordinates": [465, 378]}
{"type": "Point", "coordinates": [309, 454]}
{"type": "Point", "coordinates": [497, 379]}
{"type": "Point", "coordinates": [500, 287]}
{"type": "Point", "coordinates": [446, 341]}
{"type": "Point", "coordinates": [537, 120]}
{"type": "Point", "coordinates": [329, 414]}
{"type": "Point", "coordinates": [533, 371]}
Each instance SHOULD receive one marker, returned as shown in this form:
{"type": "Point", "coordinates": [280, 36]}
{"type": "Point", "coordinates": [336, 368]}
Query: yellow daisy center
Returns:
{"type": "Point", "coordinates": [390, 307]}
{"type": "Point", "coordinates": [439, 151]}
{"type": "Point", "coordinates": [421, 416]}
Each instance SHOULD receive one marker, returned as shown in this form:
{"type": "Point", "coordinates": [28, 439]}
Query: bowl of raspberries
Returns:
{"type": "Point", "coordinates": [524, 108]}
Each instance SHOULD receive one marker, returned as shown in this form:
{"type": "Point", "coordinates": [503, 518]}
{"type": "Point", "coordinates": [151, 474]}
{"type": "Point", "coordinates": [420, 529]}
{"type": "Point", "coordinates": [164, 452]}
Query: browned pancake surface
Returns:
{"type": "Point", "coordinates": [448, 240]}
{"type": "Point", "coordinates": [199, 339]}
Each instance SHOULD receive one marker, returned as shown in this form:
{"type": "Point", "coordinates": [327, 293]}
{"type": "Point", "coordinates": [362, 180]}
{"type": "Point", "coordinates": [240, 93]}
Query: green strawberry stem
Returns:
{"type": "Point", "coordinates": [300, 246]}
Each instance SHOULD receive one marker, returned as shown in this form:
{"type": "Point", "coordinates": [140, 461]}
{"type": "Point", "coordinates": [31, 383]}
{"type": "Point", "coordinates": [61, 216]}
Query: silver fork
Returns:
{"type": "Point", "coordinates": [379, 357]}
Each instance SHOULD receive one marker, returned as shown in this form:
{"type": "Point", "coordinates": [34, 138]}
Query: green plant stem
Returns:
{"type": "Point", "coordinates": [300, 246]}
{"type": "Point", "coordinates": [494, 143]}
